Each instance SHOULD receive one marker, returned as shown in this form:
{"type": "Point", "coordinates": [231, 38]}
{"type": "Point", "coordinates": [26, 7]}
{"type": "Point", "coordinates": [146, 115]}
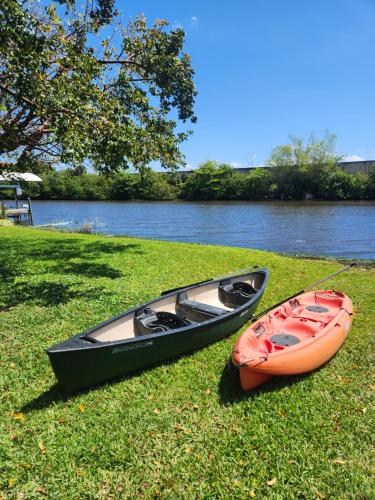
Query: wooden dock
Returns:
{"type": "Point", "coordinates": [21, 215]}
{"type": "Point", "coordinates": [16, 212]}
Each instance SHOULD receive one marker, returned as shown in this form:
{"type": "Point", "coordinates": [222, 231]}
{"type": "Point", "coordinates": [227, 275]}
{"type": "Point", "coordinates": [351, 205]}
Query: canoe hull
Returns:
{"type": "Point", "coordinates": [78, 365]}
{"type": "Point", "coordinates": [256, 366]}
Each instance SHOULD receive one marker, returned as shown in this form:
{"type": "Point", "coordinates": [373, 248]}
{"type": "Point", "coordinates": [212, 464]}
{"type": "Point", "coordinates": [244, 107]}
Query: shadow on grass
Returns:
{"type": "Point", "coordinates": [230, 391]}
{"type": "Point", "coordinates": [53, 395]}
{"type": "Point", "coordinates": [229, 388]}
{"type": "Point", "coordinates": [71, 248]}
{"type": "Point", "coordinates": [20, 259]}
{"type": "Point", "coordinates": [64, 249]}
{"type": "Point", "coordinates": [88, 269]}
{"type": "Point", "coordinates": [45, 293]}
{"type": "Point", "coordinates": [56, 394]}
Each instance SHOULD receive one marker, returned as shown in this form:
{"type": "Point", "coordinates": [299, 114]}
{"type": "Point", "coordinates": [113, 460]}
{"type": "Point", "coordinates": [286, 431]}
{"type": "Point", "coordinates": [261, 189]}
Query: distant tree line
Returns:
{"type": "Point", "coordinates": [296, 171]}
{"type": "Point", "coordinates": [211, 181]}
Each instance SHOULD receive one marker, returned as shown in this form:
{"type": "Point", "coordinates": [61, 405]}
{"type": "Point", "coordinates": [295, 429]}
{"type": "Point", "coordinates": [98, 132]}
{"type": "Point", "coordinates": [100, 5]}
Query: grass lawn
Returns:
{"type": "Point", "coordinates": [182, 429]}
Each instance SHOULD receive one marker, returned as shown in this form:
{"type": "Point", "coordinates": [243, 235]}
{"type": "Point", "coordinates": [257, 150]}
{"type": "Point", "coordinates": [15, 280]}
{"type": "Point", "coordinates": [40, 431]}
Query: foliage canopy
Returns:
{"type": "Point", "coordinates": [77, 86]}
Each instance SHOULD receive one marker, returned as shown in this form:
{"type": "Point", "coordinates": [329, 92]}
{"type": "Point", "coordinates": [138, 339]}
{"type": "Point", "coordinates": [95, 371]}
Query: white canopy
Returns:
{"type": "Point", "coordinates": [17, 176]}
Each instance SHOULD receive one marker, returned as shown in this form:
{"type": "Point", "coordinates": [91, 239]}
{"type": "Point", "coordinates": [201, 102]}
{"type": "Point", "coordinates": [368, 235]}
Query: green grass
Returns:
{"type": "Point", "coordinates": [182, 429]}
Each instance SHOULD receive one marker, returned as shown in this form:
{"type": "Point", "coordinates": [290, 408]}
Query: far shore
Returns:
{"type": "Point", "coordinates": [208, 202]}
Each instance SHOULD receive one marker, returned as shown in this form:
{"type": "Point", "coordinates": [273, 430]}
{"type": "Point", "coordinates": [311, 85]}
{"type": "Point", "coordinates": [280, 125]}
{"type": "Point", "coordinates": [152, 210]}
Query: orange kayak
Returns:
{"type": "Point", "coordinates": [296, 337]}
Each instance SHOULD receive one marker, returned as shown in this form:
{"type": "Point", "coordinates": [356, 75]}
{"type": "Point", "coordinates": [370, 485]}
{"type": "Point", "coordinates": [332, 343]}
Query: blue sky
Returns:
{"type": "Point", "coordinates": [266, 69]}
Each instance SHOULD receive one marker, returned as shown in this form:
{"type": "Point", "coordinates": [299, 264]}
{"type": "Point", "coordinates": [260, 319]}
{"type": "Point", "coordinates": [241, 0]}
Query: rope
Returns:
{"type": "Point", "coordinates": [344, 309]}
{"type": "Point", "coordinates": [244, 363]}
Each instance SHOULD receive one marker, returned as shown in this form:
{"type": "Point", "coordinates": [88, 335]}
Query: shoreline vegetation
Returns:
{"type": "Point", "coordinates": [212, 181]}
{"type": "Point", "coordinates": [182, 428]}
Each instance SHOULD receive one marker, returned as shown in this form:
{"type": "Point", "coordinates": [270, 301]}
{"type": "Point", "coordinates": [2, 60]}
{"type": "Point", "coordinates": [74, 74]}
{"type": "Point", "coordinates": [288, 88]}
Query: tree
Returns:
{"type": "Point", "coordinates": [315, 152]}
{"type": "Point", "coordinates": [74, 94]}
{"type": "Point", "coordinates": [371, 183]}
{"type": "Point", "coordinates": [257, 184]}
{"type": "Point", "coordinates": [155, 186]}
{"type": "Point", "coordinates": [125, 186]}
{"type": "Point", "coordinates": [299, 168]}
{"type": "Point", "coordinates": [344, 186]}
{"type": "Point", "coordinates": [211, 181]}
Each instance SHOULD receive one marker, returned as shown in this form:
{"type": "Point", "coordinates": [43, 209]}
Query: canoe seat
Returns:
{"type": "Point", "coordinates": [198, 311]}
{"type": "Point", "coordinates": [150, 321]}
{"type": "Point", "coordinates": [236, 294]}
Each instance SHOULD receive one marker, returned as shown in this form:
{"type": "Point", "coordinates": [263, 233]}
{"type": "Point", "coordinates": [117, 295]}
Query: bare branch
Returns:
{"type": "Point", "coordinates": [46, 151]}
{"type": "Point", "coordinates": [142, 80]}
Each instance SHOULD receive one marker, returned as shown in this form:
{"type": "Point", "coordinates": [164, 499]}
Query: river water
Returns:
{"type": "Point", "coordinates": [338, 229]}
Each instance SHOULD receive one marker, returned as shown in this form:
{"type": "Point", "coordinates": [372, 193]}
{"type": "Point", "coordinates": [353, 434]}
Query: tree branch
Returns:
{"type": "Point", "coordinates": [31, 103]}
{"type": "Point", "coordinates": [142, 80]}
{"type": "Point", "coordinates": [17, 96]}
{"type": "Point", "coordinates": [4, 165]}
{"type": "Point", "coordinates": [119, 61]}
{"type": "Point", "coordinates": [48, 152]}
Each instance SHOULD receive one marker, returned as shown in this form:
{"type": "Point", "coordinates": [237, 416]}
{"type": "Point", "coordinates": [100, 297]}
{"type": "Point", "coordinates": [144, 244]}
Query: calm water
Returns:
{"type": "Point", "coordinates": [344, 229]}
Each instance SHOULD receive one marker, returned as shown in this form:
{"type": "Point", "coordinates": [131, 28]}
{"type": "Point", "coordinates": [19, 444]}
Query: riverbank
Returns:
{"type": "Point", "coordinates": [184, 428]}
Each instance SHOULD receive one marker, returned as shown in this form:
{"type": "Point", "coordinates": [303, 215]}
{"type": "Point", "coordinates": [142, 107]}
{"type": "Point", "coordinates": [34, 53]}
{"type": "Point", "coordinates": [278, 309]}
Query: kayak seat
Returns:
{"type": "Point", "coordinates": [150, 321]}
{"type": "Point", "coordinates": [198, 311]}
{"type": "Point", "coordinates": [284, 339]}
{"type": "Point", "coordinates": [236, 294]}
